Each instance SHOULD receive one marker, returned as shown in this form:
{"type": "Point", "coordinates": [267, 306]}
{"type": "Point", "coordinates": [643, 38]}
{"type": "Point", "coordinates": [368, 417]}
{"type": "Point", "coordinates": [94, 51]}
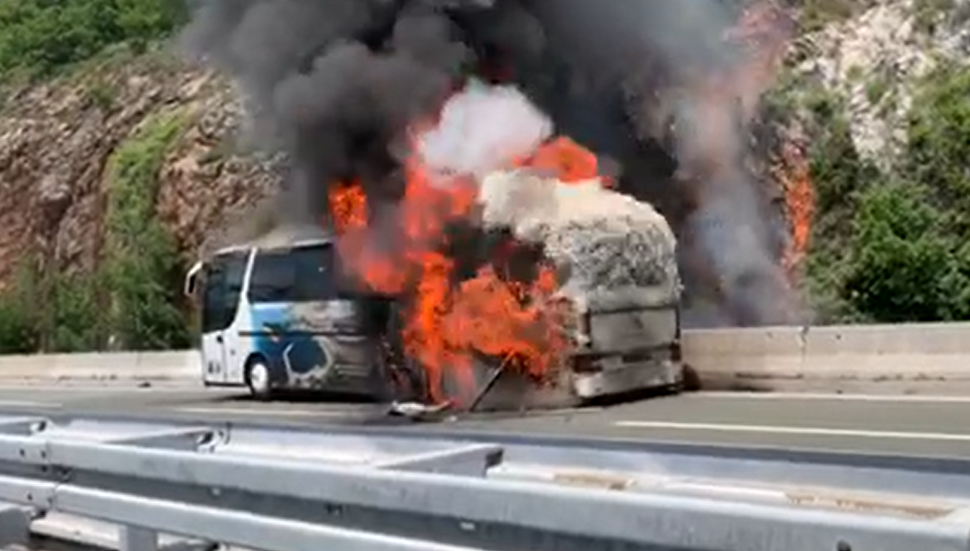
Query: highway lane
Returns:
{"type": "Point", "coordinates": [912, 425]}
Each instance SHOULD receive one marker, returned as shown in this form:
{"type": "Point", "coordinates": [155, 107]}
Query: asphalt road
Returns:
{"type": "Point", "coordinates": [910, 425]}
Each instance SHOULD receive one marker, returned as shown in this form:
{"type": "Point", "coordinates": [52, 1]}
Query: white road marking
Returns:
{"type": "Point", "coordinates": [817, 431]}
{"type": "Point", "coordinates": [830, 397]}
{"type": "Point", "coordinates": [28, 404]}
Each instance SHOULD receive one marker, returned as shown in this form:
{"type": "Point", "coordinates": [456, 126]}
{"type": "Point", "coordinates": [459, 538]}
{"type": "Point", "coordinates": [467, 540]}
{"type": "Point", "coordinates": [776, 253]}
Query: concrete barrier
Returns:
{"type": "Point", "coordinates": [180, 365]}
{"type": "Point", "coordinates": [830, 358]}
{"type": "Point", "coordinates": [836, 358]}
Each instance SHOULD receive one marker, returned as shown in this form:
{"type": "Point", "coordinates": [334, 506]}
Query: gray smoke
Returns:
{"type": "Point", "coordinates": [335, 83]}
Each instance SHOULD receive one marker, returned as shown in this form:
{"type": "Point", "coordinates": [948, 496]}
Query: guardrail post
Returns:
{"type": "Point", "coordinates": [134, 538]}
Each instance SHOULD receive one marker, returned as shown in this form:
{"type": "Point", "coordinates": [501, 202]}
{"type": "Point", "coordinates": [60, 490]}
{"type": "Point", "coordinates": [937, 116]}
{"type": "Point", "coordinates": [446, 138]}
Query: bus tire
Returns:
{"type": "Point", "coordinates": [258, 379]}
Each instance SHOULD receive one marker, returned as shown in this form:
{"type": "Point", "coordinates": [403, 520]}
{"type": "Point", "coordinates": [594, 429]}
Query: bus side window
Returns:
{"type": "Point", "coordinates": [213, 297]}
{"type": "Point", "coordinates": [222, 286]}
{"type": "Point", "coordinates": [235, 276]}
{"type": "Point", "coordinates": [301, 274]}
{"type": "Point", "coordinates": [315, 274]}
{"type": "Point", "coordinates": [272, 278]}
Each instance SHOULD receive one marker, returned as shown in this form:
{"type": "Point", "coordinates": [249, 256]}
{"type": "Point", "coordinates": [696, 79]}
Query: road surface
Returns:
{"type": "Point", "coordinates": [911, 425]}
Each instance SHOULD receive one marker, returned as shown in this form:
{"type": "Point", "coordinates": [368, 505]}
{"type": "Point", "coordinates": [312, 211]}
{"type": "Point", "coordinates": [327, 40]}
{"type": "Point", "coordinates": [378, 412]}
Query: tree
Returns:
{"type": "Point", "coordinates": [895, 246]}
{"type": "Point", "coordinates": [41, 36]}
{"type": "Point", "coordinates": [903, 266]}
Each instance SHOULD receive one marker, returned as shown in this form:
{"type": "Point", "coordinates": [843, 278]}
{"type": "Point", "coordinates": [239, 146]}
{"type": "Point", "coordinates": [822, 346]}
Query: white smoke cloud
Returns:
{"type": "Point", "coordinates": [481, 129]}
{"type": "Point", "coordinates": [611, 245]}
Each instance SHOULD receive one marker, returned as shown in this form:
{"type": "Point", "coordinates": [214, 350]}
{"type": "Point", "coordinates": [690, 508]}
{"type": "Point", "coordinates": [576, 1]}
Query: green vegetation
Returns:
{"type": "Point", "coordinates": [877, 87]}
{"type": "Point", "coordinates": [902, 263]}
{"type": "Point", "coordinates": [132, 299]}
{"type": "Point", "coordinates": [895, 246]}
{"type": "Point", "coordinates": [818, 13]}
{"type": "Point", "coordinates": [142, 271]}
{"type": "Point", "coordinates": [38, 37]}
{"type": "Point", "coordinates": [927, 14]}
{"type": "Point", "coordinates": [838, 174]}
{"type": "Point", "coordinates": [101, 95]}
{"type": "Point", "coordinates": [19, 322]}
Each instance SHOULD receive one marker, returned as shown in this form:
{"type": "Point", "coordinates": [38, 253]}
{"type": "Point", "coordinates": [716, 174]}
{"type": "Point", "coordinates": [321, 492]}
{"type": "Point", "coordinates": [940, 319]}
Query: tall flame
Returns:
{"type": "Point", "coordinates": [799, 204]}
{"type": "Point", "coordinates": [564, 159]}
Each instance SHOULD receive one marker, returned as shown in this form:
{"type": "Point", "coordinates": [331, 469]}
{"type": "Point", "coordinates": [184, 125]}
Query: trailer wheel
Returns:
{"type": "Point", "coordinates": [690, 381]}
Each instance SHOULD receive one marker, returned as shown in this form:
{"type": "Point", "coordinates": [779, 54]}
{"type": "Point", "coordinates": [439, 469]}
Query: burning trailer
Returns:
{"type": "Point", "coordinates": [523, 280]}
{"type": "Point", "coordinates": [617, 304]}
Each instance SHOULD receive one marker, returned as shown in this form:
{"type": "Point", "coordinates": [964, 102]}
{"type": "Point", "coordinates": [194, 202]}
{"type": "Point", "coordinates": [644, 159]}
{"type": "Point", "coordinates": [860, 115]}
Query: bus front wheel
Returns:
{"type": "Point", "coordinates": [258, 379]}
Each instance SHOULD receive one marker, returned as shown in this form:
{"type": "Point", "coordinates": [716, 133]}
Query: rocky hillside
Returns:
{"type": "Point", "coordinates": [875, 59]}
{"type": "Point", "coordinates": [125, 151]}
{"type": "Point", "coordinates": [59, 139]}
{"type": "Point", "coordinates": [878, 92]}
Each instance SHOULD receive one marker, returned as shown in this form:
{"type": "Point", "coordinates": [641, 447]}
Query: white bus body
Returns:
{"type": "Point", "coordinates": [272, 318]}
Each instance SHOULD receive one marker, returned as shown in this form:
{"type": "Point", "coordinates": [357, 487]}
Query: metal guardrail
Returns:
{"type": "Point", "coordinates": [373, 490]}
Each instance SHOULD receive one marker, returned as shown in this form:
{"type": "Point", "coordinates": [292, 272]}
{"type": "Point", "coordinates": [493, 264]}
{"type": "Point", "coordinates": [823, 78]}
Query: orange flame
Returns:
{"type": "Point", "coordinates": [799, 203]}
{"type": "Point", "coordinates": [348, 206]}
{"type": "Point", "coordinates": [564, 159]}
{"type": "Point", "coordinates": [450, 322]}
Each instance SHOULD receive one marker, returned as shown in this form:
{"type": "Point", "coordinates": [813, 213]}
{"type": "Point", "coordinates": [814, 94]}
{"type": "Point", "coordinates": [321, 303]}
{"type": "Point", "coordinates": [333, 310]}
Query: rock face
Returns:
{"type": "Point", "coordinates": [56, 140]}
{"type": "Point", "coordinates": [875, 59]}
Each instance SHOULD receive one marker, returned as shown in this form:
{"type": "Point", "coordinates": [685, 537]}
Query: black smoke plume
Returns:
{"type": "Point", "coordinates": [335, 83]}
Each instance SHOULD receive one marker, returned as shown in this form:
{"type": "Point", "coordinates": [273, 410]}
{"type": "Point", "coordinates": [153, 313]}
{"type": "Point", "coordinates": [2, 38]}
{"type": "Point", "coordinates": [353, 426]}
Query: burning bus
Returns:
{"type": "Point", "coordinates": [276, 316]}
{"type": "Point", "coordinates": [479, 246]}
{"type": "Point", "coordinates": [547, 289]}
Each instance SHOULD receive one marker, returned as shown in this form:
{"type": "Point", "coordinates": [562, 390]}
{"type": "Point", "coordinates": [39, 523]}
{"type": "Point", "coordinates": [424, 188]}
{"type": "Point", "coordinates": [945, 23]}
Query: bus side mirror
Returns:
{"type": "Point", "coordinates": [190, 279]}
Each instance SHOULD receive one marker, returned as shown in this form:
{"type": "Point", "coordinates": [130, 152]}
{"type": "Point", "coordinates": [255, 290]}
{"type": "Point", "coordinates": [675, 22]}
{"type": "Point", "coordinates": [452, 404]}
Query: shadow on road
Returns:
{"type": "Point", "coordinates": [302, 397]}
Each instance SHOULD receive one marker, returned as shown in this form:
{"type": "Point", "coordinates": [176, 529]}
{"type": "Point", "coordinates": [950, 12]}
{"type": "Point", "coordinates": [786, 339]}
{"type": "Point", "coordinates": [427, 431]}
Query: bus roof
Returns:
{"type": "Point", "coordinates": [282, 238]}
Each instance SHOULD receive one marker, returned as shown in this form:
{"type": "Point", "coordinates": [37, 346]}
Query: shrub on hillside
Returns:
{"type": "Point", "coordinates": [20, 313]}
{"type": "Point", "coordinates": [903, 264]}
{"type": "Point", "coordinates": [40, 36]}
{"type": "Point", "coordinates": [17, 330]}
{"type": "Point", "coordinates": [142, 268]}
{"type": "Point", "coordinates": [939, 144]}
{"type": "Point", "coordinates": [907, 233]}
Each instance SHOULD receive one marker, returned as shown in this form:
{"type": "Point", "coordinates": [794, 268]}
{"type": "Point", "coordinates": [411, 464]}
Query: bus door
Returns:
{"type": "Point", "coordinates": [222, 291]}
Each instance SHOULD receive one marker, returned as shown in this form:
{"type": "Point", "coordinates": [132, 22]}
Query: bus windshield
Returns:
{"type": "Point", "coordinates": [301, 274]}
